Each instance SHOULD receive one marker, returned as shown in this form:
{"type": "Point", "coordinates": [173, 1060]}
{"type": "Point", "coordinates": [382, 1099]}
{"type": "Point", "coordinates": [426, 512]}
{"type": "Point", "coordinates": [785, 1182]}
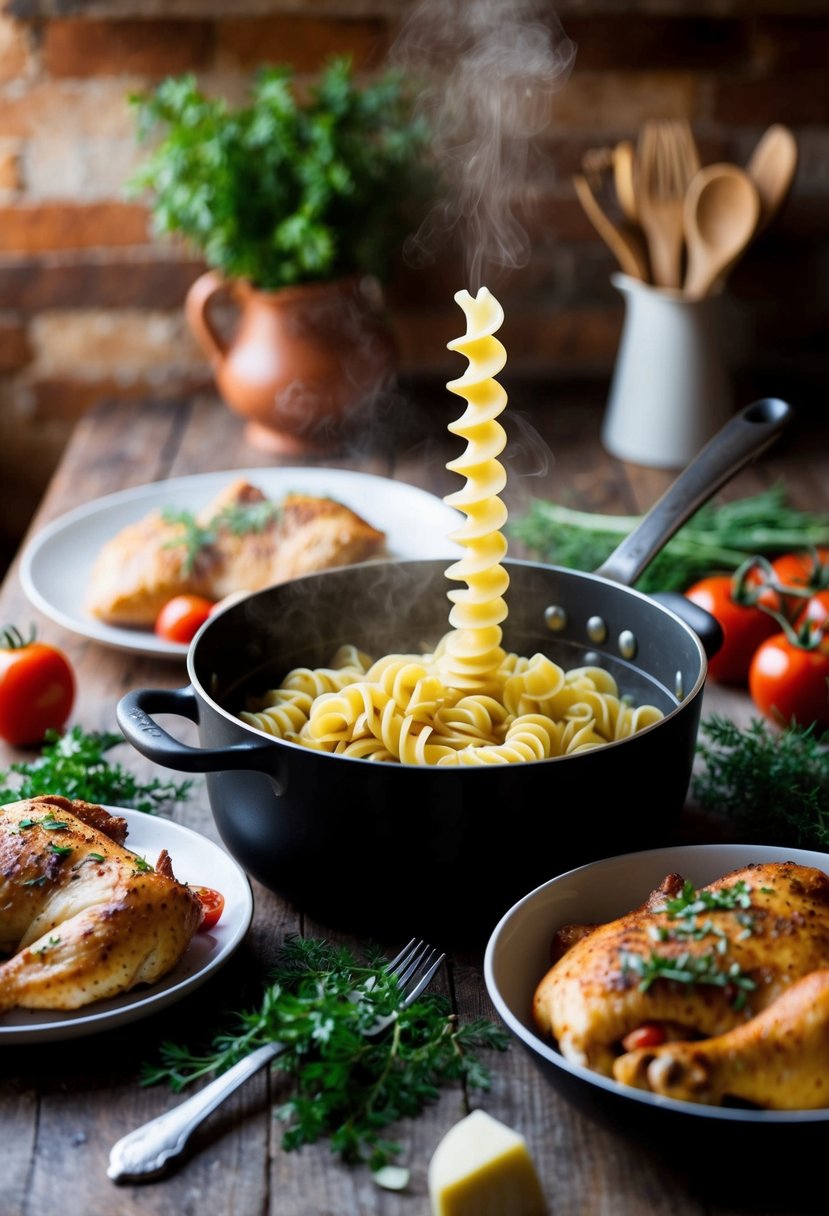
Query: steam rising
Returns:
{"type": "Point", "coordinates": [491, 68]}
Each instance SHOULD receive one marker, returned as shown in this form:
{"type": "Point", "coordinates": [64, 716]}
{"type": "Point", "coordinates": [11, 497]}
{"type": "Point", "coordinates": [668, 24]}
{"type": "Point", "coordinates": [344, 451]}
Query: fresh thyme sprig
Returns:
{"type": "Point", "coordinates": [771, 784]}
{"type": "Point", "coordinates": [346, 1087]}
{"type": "Point", "coordinates": [238, 518]}
{"type": "Point", "coordinates": [193, 536]}
{"type": "Point", "coordinates": [75, 765]}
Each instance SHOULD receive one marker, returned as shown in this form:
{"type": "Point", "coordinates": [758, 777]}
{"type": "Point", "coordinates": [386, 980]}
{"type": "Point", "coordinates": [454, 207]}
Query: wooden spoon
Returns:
{"type": "Point", "coordinates": [624, 173]}
{"type": "Point", "coordinates": [624, 241]}
{"type": "Point", "coordinates": [771, 167]}
{"type": "Point", "coordinates": [722, 208]}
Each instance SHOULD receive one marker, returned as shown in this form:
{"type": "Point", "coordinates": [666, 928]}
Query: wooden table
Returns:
{"type": "Point", "coordinates": [62, 1105]}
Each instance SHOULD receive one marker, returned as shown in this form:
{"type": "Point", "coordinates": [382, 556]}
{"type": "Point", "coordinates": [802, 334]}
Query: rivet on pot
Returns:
{"type": "Point", "coordinates": [679, 686]}
{"type": "Point", "coordinates": [555, 618]}
{"type": "Point", "coordinates": [628, 646]}
{"type": "Point", "coordinates": [596, 629]}
{"type": "Point", "coordinates": [592, 658]}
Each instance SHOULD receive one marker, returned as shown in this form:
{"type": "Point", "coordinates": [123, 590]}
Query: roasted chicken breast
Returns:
{"type": "Point", "coordinates": [242, 541]}
{"type": "Point", "coordinates": [82, 916]}
{"type": "Point", "coordinates": [732, 978]}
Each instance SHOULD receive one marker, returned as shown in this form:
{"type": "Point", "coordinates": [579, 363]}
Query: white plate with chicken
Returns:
{"type": "Point", "coordinates": [676, 987]}
{"type": "Point", "coordinates": [104, 570]}
{"type": "Point", "coordinates": [102, 920]}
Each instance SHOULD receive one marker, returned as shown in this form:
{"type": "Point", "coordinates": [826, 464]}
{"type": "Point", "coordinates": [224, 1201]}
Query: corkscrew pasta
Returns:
{"type": "Point", "coordinates": [469, 702]}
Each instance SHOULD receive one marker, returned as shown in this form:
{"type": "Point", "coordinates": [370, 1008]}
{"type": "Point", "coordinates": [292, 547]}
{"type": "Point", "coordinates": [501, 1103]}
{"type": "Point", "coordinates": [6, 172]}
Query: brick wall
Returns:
{"type": "Point", "coordinates": [91, 304]}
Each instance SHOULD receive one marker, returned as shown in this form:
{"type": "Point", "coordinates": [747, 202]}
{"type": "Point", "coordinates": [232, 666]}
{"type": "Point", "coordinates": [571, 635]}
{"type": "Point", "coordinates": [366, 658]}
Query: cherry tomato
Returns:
{"type": "Point", "coordinates": [37, 688]}
{"type": "Point", "coordinates": [744, 626]}
{"type": "Point", "coordinates": [213, 903]}
{"type": "Point", "coordinates": [803, 568]}
{"type": "Point", "coordinates": [649, 1034]}
{"type": "Point", "coordinates": [181, 617]}
{"type": "Point", "coordinates": [789, 683]}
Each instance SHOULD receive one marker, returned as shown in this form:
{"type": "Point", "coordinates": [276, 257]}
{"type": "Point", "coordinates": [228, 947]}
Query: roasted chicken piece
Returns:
{"type": "Point", "coordinates": [242, 541]}
{"type": "Point", "coordinates": [701, 963]}
{"type": "Point", "coordinates": [779, 1060]}
{"type": "Point", "coordinates": [82, 916]}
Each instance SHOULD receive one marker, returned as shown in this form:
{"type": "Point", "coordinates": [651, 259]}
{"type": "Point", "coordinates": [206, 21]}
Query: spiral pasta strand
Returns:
{"type": "Point", "coordinates": [472, 652]}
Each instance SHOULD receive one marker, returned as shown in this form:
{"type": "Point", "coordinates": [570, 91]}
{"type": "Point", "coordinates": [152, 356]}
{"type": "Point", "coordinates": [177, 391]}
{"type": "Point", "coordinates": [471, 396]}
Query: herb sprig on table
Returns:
{"type": "Point", "coordinates": [346, 1088]}
{"type": "Point", "coordinates": [771, 783]}
{"type": "Point", "coordinates": [76, 765]}
{"type": "Point", "coordinates": [718, 537]}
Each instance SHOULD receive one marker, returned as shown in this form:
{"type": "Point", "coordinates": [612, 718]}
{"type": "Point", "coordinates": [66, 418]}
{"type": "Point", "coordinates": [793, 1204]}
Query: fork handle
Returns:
{"type": "Point", "coordinates": [145, 1151]}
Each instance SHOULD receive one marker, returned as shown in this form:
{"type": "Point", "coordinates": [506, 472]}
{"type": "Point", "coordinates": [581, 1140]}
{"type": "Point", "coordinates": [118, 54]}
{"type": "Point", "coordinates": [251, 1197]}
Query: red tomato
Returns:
{"type": "Point", "coordinates": [803, 568]}
{"type": "Point", "coordinates": [649, 1034]}
{"type": "Point", "coordinates": [37, 688]}
{"type": "Point", "coordinates": [744, 626]}
{"type": "Point", "coordinates": [789, 683]}
{"type": "Point", "coordinates": [181, 617]}
{"type": "Point", "coordinates": [213, 903]}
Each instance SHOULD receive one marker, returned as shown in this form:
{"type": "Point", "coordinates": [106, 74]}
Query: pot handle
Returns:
{"type": "Point", "coordinates": [707, 628]}
{"type": "Point", "coordinates": [151, 740]}
{"type": "Point", "coordinates": [742, 438]}
{"type": "Point", "coordinates": [196, 310]}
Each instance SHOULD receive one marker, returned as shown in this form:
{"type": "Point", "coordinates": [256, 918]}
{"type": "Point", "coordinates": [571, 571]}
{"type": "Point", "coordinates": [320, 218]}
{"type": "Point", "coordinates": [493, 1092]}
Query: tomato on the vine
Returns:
{"type": "Point", "coordinates": [789, 682]}
{"type": "Point", "coordinates": [181, 617]}
{"type": "Point", "coordinates": [37, 688]}
{"type": "Point", "coordinates": [803, 568]}
{"type": "Point", "coordinates": [744, 625]}
{"type": "Point", "coordinates": [212, 902]}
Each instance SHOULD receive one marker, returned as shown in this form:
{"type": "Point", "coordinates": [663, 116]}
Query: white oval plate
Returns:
{"type": "Point", "coordinates": [56, 564]}
{"type": "Point", "coordinates": [195, 859]}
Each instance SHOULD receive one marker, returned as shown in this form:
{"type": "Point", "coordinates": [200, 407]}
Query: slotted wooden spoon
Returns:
{"type": "Point", "coordinates": [722, 208]}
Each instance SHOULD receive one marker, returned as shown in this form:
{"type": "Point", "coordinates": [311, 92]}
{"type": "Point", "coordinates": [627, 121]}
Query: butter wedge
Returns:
{"type": "Point", "coordinates": [483, 1168]}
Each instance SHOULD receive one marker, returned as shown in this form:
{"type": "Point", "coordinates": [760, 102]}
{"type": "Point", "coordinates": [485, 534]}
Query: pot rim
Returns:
{"type": "Point", "coordinates": [213, 622]}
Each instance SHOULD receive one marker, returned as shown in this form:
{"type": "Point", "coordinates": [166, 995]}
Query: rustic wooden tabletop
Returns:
{"type": "Point", "coordinates": [63, 1104]}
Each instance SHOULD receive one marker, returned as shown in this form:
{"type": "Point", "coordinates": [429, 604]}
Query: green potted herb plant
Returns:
{"type": "Point", "coordinates": [298, 204]}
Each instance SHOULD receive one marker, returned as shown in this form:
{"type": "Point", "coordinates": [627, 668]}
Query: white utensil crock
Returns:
{"type": "Point", "coordinates": [670, 391]}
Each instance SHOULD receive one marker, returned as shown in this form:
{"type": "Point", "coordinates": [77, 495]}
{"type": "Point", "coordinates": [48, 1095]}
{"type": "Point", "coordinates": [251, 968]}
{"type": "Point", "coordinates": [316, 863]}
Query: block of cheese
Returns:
{"type": "Point", "coordinates": [483, 1168]}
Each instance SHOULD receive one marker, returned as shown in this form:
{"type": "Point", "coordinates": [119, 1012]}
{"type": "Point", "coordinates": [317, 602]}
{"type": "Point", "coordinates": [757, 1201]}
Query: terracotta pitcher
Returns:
{"type": "Point", "coordinates": [301, 359]}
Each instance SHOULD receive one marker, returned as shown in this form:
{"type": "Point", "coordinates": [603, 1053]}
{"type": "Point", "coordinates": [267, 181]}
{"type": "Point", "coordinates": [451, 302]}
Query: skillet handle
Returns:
{"type": "Point", "coordinates": [151, 740]}
{"type": "Point", "coordinates": [742, 438]}
{"type": "Point", "coordinates": [707, 628]}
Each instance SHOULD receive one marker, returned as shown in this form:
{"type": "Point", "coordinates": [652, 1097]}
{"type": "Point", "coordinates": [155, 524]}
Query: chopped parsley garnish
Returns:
{"type": "Point", "coordinates": [95, 857]}
{"type": "Point", "coordinates": [687, 968]}
{"type": "Point", "coordinates": [690, 901]}
{"type": "Point", "coordinates": [62, 850]}
{"type": "Point", "coordinates": [34, 882]}
{"type": "Point", "coordinates": [143, 865]}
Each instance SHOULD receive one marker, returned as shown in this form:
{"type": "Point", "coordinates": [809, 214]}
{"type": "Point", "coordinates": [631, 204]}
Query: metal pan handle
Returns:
{"type": "Point", "coordinates": [742, 438]}
{"type": "Point", "coordinates": [151, 740]}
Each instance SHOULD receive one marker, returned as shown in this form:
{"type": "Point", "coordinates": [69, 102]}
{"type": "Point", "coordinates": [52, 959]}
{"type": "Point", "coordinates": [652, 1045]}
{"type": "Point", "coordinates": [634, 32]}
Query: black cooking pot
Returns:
{"type": "Point", "coordinates": [388, 849]}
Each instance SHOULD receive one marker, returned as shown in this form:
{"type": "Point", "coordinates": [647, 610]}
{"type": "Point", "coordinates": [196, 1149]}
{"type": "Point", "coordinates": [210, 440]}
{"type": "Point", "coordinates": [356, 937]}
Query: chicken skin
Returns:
{"type": "Point", "coordinates": [83, 917]}
{"type": "Point", "coordinates": [240, 542]}
{"type": "Point", "coordinates": [697, 965]}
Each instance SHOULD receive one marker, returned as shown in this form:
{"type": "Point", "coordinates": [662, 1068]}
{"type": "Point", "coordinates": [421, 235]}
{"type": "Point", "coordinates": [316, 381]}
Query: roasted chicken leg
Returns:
{"type": "Point", "coordinates": [779, 1060]}
{"type": "Point", "coordinates": [82, 916]}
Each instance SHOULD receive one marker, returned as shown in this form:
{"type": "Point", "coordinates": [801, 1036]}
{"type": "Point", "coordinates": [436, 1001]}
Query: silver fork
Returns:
{"type": "Point", "coordinates": [148, 1149]}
